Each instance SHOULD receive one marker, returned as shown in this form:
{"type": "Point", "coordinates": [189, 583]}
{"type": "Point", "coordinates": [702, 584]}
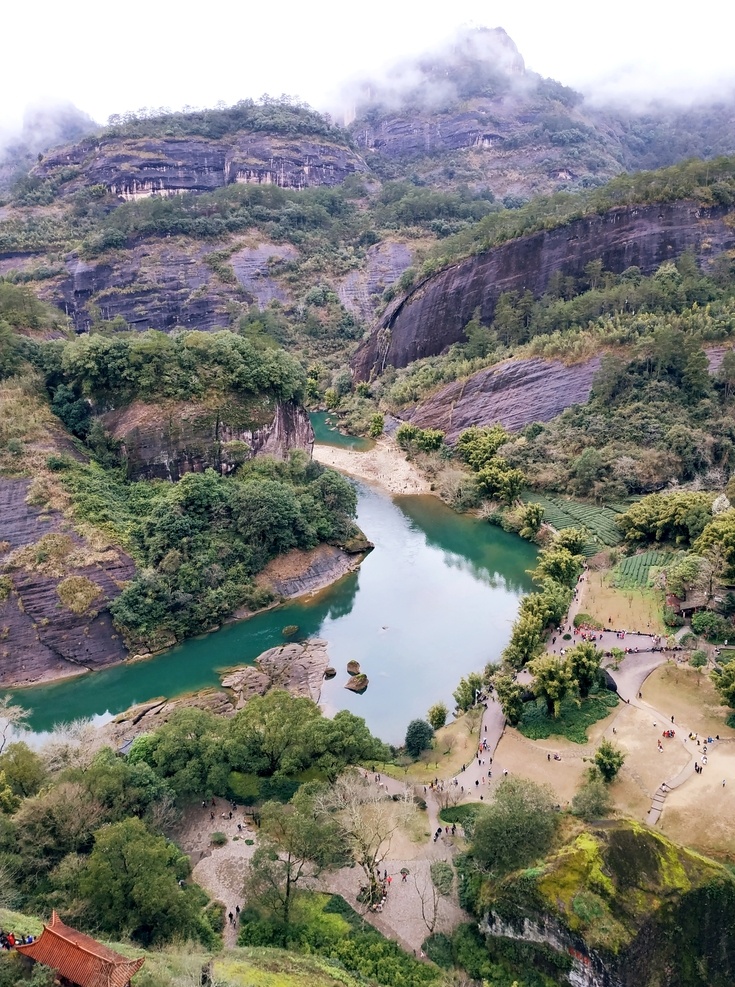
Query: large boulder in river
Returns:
{"type": "Point", "coordinates": [357, 683]}
{"type": "Point", "coordinates": [296, 667]}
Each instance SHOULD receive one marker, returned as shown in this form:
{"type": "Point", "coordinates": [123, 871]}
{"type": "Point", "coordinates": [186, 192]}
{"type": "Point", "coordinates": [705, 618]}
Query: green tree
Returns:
{"type": "Point", "coordinates": [510, 697]}
{"type": "Point", "coordinates": [711, 626]}
{"type": "Point", "coordinates": [271, 733]}
{"type": "Point", "coordinates": [24, 769]}
{"type": "Point", "coordinates": [500, 481]}
{"type": "Point", "coordinates": [429, 439]}
{"type": "Point", "coordinates": [526, 640]}
{"type": "Point", "coordinates": [130, 885]}
{"type": "Point", "coordinates": [291, 839]}
{"type": "Point", "coordinates": [465, 695]}
{"type": "Point", "coordinates": [335, 742]}
{"type": "Point", "coordinates": [609, 760]}
{"type": "Point", "coordinates": [573, 539]}
{"type": "Point", "coordinates": [419, 735]}
{"type": "Point", "coordinates": [516, 829]}
{"type": "Point", "coordinates": [719, 534]}
{"type": "Point", "coordinates": [584, 660]}
{"type": "Point", "coordinates": [696, 381]}
{"type": "Point", "coordinates": [187, 753]}
{"type": "Point", "coordinates": [532, 518]}
{"type": "Point", "coordinates": [437, 715]}
{"type": "Point", "coordinates": [553, 680]}
{"type": "Point", "coordinates": [479, 446]}
{"type": "Point", "coordinates": [698, 659]}
{"type": "Point", "coordinates": [406, 435]}
{"type": "Point", "coordinates": [558, 564]}
{"type": "Point", "coordinates": [377, 424]}
{"type": "Point", "coordinates": [724, 682]}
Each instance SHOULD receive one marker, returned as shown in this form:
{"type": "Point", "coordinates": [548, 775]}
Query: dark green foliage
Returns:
{"type": "Point", "coordinates": [504, 963]}
{"type": "Point", "coordinates": [516, 829]}
{"type": "Point", "coordinates": [331, 928]}
{"type": "Point", "coordinates": [711, 626]}
{"type": "Point", "coordinates": [259, 753]}
{"type": "Point", "coordinates": [465, 695]}
{"type": "Point", "coordinates": [283, 115]}
{"type": "Point", "coordinates": [463, 815]}
{"type": "Point", "coordinates": [573, 719]}
{"type": "Point", "coordinates": [676, 517]}
{"type": "Point", "coordinates": [201, 541]}
{"type": "Point", "coordinates": [130, 885]}
{"type": "Point", "coordinates": [419, 735]}
{"type": "Point", "coordinates": [414, 439]}
{"type": "Point", "coordinates": [690, 179]}
{"type": "Point", "coordinates": [153, 365]}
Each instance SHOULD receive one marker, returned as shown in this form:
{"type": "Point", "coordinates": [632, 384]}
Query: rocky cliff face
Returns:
{"type": "Point", "coordinates": [434, 313]}
{"type": "Point", "coordinates": [135, 168]}
{"type": "Point", "coordinates": [621, 906]}
{"type": "Point", "coordinates": [161, 284]}
{"type": "Point", "coordinates": [41, 637]}
{"type": "Point", "coordinates": [167, 440]}
{"type": "Point", "coordinates": [514, 394]}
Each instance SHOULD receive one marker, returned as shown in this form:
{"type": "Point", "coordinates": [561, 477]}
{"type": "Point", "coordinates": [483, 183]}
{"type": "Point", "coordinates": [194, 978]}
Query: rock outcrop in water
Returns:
{"type": "Point", "coordinates": [432, 316]}
{"type": "Point", "coordinates": [166, 441]}
{"type": "Point", "coordinates": [300, 572]}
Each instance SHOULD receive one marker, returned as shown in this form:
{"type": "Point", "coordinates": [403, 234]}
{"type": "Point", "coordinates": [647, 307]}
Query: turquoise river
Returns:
{"type": "Point", "coordinates": [433, 601]}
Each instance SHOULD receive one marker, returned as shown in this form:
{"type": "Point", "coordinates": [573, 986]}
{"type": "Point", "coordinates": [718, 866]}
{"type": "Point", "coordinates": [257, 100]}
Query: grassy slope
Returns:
{"type": "Point", "coordinates": [240, 967]}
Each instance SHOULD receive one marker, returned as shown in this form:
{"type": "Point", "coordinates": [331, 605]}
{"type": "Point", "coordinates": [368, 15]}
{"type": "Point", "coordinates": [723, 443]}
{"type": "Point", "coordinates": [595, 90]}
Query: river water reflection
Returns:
{"type": "Point", "coordinates": [434, 600]}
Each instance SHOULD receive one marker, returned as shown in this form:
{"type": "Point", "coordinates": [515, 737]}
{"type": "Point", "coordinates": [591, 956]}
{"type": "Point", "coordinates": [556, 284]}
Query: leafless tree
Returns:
{"type": "Point", "coordinates": [367, 818]}
{"type": "Point", "coordinates": [12, 720]}
{"type": "Point", "coordinates": [72, 745]}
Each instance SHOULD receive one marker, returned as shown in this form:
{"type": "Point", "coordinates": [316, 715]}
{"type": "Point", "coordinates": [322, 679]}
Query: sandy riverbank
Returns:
{"type": "Point", "coordinates": [384, 465]}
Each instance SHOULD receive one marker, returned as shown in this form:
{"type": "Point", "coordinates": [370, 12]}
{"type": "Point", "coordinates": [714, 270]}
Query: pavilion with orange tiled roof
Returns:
{"type": "Point", "coordinates": [78, 959]}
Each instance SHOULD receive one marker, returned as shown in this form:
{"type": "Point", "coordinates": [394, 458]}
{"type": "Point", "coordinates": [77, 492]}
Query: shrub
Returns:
{"type": "Point", "coordinates": [672, 618]}
{"type": "Point", "coordinates": [463, 815]}
{"type": "Point", "coordinates": [592, 801]}
{"type": "Point", "coordinates": [218, 839]}
{"type": "Point", "coordinates": [78, 593]}
{"type": "Point", "coordinates": [377, 424]}
{"type": "Point", "coordinates": [438, 947]}
{"type": "Point", "coordinates": [586, 620]}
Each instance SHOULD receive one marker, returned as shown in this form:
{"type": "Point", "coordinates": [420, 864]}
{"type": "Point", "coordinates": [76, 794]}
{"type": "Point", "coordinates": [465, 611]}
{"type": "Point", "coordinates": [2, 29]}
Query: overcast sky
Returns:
{"type": "Point", "coordinates": [109, 58]}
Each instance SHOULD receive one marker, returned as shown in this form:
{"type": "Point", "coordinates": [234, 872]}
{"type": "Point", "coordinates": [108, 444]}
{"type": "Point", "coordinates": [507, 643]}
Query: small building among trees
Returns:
{"type": "Point", "coordinates": [79, 960]}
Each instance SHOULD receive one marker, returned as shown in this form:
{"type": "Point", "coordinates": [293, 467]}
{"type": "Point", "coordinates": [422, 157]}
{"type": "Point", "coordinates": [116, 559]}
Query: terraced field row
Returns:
{"type": "Point", "coordinates": [635, 571]}
{"type": "Point", "coordinates": [599, 523]}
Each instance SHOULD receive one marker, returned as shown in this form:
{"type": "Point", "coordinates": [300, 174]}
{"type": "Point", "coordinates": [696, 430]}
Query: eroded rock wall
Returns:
{"type": "Point", "coordinates": [40, 637]}
{"type": "Point", "coordinates": [515, 394]}
{"type": "Point", "coordinates": [134, 168]}
{"type": "Point", "coordinates": [168, 440]}
{"type": "Point", "coordinates": [433, 314]}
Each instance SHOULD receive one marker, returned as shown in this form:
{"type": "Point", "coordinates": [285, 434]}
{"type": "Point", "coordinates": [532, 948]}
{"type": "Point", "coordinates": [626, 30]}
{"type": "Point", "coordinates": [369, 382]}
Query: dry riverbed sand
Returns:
{"type": "Point", "coordinates": [384, 465]}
